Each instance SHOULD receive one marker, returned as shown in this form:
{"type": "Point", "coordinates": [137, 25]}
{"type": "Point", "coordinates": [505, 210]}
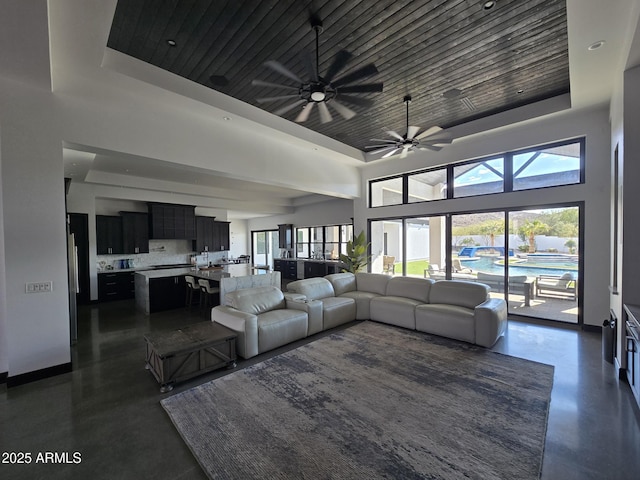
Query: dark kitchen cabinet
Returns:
{"type": "Point", "coordinates": [115, 286]}
{"type": "Point", "coordinates": [285, 236]}
{"type": "Point", "coordinates": [632, 348]}
{"type": "Point", "coordinates": [314, 269]}
{"type": "Point", "coordinates": [204, 234]}
{"type": "Point", "coordinates": [166, 293]}
{"type": "Point", "coordinates": [108, 235]}
{"type": "Point", "coordinates": [221, 236]}
{"type": "Point", "coordinates": [168, 221]}
{"type": "Point", "coordinates": [135, 232]}
{"type": "Point", "coordinates": [288, 268]}
{"type": "Point", "coordinates": [211, 235]}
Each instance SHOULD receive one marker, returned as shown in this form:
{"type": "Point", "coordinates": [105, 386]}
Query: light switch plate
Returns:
{"type": "Point", "coordinates": [39, 287]}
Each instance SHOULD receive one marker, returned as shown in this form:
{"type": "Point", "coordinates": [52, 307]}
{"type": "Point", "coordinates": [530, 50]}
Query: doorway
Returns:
{"type": "Point", "coordinates": [263, 245]}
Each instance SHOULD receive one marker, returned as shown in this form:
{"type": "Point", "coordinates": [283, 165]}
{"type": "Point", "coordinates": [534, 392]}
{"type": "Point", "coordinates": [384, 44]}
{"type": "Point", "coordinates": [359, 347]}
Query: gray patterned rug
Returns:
{"type": "Point", "coordinates": [372, 401]}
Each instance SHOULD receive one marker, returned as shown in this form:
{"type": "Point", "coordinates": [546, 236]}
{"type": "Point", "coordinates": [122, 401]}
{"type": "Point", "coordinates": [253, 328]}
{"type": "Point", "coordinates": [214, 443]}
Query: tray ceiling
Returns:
{"type": "Point", "coordinates": [458, 60]}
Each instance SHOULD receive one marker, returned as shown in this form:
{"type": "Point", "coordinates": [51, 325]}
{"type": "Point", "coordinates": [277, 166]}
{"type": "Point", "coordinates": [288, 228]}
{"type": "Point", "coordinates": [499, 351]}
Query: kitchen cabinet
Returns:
{"type": "Point", "coordinates": [632, 348]}
{"type": "Point", "coordinates": [288, 268]}
{"type": "Point", "coordinates": [168, 221]}
{"type": "Point", "coordinates": [115, 286]}
{"type": "Point", "coordinates": [108, 235]}
{"type": "Point", "coordinates": [221, 236]}
{"type": "Point", "coordinates": [211, 235]}
{"type": "Point", "coordinates": [314, 269]}
{"type": "Point", "coordinates": [166, 293]}
{"type": "Point", "coordinates": [204, 234]}
{"type": "Point", "coordinates": [285, 236]}
{"type": "Point", "coordinates": [135, 232]}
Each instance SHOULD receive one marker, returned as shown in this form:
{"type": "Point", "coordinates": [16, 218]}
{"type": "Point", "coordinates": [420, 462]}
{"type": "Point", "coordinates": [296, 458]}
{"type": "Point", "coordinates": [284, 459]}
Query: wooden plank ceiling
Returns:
{"type": "Point", "coordinates": [458, 60]}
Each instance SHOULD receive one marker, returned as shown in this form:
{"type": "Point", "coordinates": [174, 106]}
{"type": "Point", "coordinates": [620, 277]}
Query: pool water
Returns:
{"type": "Point", "coordinates": [488, 264]}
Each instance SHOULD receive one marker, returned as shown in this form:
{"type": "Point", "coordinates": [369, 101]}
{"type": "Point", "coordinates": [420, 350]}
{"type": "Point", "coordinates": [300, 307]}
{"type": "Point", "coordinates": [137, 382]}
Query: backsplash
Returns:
{"type": "Point", "coordinates": [161, 252]}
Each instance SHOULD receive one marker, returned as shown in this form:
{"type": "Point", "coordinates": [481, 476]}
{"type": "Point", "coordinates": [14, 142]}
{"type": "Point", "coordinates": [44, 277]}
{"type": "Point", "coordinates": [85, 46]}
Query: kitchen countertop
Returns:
{"type": "Point", "coordinates": [317, 260]}
{"type": "Point", "coordinates": [230, 270]}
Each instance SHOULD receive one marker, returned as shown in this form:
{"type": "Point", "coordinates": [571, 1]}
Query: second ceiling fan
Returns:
{"type": "Point", "coordinates": [322, 90]}
{"type": "Point", "coordinates": [433, 138]}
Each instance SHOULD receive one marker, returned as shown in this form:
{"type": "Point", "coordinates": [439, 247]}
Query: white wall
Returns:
{"type": "Point", "coordinates": [593, 124]}
{"type": "Point", "coordinates": [4, 360]}
{"type": "Point", "coordinates": [329, 212]}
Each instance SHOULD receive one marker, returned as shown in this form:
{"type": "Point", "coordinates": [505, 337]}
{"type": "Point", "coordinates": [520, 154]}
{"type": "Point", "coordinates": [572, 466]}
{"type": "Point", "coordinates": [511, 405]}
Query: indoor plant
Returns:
{"type": "Point", "coordinates": [357, 255]}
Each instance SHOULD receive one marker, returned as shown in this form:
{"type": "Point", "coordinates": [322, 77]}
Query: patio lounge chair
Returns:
{"type": "Point", "coordinates": [564, 285]}
{"type": "Point", "coordinates": [388, 264]}
{"type": "Point", "coordinates": [458, 267]}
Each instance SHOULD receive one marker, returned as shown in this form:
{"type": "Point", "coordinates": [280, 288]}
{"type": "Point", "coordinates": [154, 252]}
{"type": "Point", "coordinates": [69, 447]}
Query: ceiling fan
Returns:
{"type": "Point", "coordinates": [432, 138]}
{"type": "Point", "coordinates": [322, 90]}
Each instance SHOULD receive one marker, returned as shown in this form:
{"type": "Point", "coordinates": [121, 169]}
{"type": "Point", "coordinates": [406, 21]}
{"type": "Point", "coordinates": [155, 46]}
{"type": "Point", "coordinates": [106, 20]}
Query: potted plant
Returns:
{"type": "Point", "coordinates": [357, 254]}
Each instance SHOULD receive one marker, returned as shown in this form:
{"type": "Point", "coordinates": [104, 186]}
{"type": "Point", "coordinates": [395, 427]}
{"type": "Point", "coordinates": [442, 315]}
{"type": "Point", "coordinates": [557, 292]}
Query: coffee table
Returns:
{"type": "Point", "coordinates": [177, 355]}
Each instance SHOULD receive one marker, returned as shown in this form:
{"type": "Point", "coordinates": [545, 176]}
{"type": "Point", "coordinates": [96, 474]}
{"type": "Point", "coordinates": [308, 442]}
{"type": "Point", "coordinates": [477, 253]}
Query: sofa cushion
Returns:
{"type": "Point", "coordinates": [397, 311]}
{"type": "Point", "coordinates": [410, 287]}
{"type": "Point", "coordinates": [256, 300]}
{"type": "Point", "coordinates": [337, 310]}
{"type": "Point", "coordinates": [312, 288]}
{"type": "Point", "coordinates": [342, 282]}
{"type": "Point", "coordinates": [279, 327]}
{"type": "Point", "coordinates": [363, 301]}
{"type": "Point", "coordinates": [449, 321]}
{"type": "Point", "coordinates": [372, 282]}
{"type": "Point", "coordinates": [457, 292]}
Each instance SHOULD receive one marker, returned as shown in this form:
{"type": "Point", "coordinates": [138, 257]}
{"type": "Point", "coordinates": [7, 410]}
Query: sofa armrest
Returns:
{"type": "Point", "coordinates": [314, 312]}
{"type": "Point", "coordinates": [490, 321]}
{"type": "Point", "coordinates": [290, 296]}
{"type": "Point", "coordinates": [244, 324]}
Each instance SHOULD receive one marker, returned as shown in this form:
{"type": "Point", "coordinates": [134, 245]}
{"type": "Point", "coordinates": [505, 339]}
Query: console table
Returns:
{"type": "Point", "coordinates": [177, 355]}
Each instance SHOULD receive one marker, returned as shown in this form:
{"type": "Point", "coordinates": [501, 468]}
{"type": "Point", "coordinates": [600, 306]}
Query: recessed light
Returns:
{"type": "Point", "coordinates": [489, 4]}
{"type": "Point", "coordinates": [596, 45]}
{"type": "Point", "coordinates": [172, 43]}
{"type": "Point", "coordinates": [226, 118]}
{"type": "Point", "coordinates": [520, 91]}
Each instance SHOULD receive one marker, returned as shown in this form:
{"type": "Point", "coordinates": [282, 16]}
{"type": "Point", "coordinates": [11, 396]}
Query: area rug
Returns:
{"type": "Point", "coordinates": [371, 401]}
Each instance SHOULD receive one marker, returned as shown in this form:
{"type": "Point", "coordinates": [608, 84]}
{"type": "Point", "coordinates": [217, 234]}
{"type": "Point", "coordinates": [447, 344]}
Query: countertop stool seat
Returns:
{"type": "Point", "coordinates": [209, 296]}
{"type": "Point", "coordinates": [192, 289]}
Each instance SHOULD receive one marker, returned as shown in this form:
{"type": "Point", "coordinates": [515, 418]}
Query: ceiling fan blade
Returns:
{"type": "Point", "coordinates": [429, 131]}
{"type": "Point", "coordinates": [444, 137]}
{"type": "Point", "coordinates": [395, 135]}
{"type": "Point", "coordinates": [360, 102]}
{"type": "Point", "coordinates": [303, 116]}
{"type": "Point", "coordinates": [339, 62]}
{"type": "Point", "coordinates": [391, 153]}
{"type": "Point", "coordinates": [262, 83]}
{"type": "Point", "coordinates": [285, 109]}
{"type": "Point", "coordinates": [325, 114]}
{"type": "Point", "coordinates": [411, 132]}
{"type": "Point", "coordinates": [364, 72]}
{"type": "Point", "coordinates": [384, 140]}
{"type": "Point", "coordinates": [423, 146]}
{"type": "Point", "coordinates": [380, 150]}
{"type": "Point", "coordinates": [275, 99]}
{"type": "Point", "coordinates": [310, 65]}
{"type": "Point", "coordinates": [382, 145]}
{"type": "Point", "coordinates": [368, 87]}
{"type": "Point", "coordinates": [282, 70]}
{"type": "Point", "coordinates": [346, 112]}
{"type": "Point", "coordinates": [404, 152]}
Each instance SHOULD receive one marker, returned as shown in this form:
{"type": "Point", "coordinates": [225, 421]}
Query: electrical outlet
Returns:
{"type": "Point", "coordinates": [39, 287]}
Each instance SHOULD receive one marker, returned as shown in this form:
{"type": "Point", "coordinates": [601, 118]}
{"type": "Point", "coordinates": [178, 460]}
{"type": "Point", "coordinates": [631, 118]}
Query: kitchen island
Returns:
{"type": "Point", "coordinates": [165, 289]}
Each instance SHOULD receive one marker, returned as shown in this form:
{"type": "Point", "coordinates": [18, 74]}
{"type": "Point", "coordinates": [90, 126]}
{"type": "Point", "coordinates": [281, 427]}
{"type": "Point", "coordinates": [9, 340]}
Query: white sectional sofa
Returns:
{"type": "Point", "coordinates": [451, 308]}
{"type": "Point", "coordinates": [265, 318]}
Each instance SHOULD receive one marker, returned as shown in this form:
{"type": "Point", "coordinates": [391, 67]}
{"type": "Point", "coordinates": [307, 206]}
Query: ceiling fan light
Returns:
{"type": "Point", "coordinates": [318, 96]}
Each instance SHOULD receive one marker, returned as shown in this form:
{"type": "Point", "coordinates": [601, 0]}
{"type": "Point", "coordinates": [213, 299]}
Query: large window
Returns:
{"type": "Point", "coordinates": [478, 178]}
{"type": "Point", "coordinates": [386, 192]}
{"type": "Point", "coordinates": [326, 242]}
{"type": "Point", "coordinates": [547, 166]}
{"type": "Point", "coordinates": [426, 186]}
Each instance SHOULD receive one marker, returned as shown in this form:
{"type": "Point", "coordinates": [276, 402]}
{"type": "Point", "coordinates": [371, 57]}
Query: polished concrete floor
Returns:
{"type": "Point", "coordinates": [108, 408]}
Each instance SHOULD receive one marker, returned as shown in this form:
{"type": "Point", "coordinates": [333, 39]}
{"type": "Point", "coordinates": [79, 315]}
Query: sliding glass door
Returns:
{"type": "Point", "coordinates": [263, 245]}
{"type": "Point", "coordinates": [530, 257]}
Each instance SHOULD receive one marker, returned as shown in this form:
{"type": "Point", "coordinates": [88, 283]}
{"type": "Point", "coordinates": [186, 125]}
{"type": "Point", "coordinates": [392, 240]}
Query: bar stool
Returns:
{"type": "Point", "coordinates": [207, 293]}
{"type": "Point", "coordinates": [192, 288]}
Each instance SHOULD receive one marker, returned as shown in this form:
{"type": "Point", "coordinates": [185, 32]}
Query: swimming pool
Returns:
{"type": "Point", "coordinates": [489, 264]}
